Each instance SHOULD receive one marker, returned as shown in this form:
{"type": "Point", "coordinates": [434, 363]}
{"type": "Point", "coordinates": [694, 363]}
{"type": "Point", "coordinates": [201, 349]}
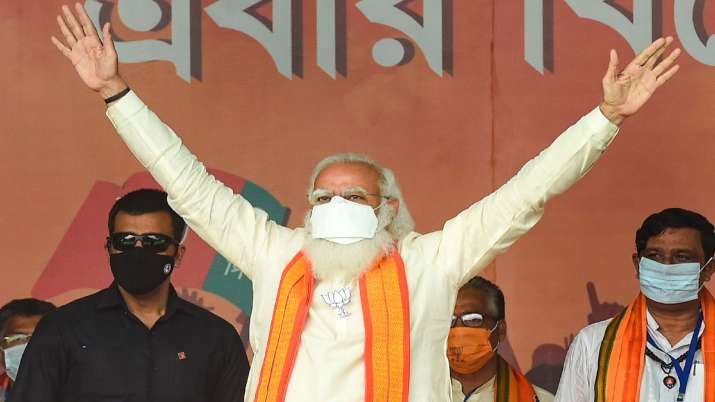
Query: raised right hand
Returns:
{"type": "Point", "coordinates": [95, 60]}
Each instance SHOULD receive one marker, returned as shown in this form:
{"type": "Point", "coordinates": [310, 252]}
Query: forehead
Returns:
{"type": "Point", "coordinates": [470, 300]}
{"type": "Point", "coordinates": [152, 222]}
{"type": "Point", "coordinates": [19, 324]}
{"type": "Point", "coordinates": [340, 176]}
{"type": "Point", "coordinates": [676, 239]}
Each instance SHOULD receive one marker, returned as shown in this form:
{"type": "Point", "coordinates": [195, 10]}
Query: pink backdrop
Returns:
{"type": "Point", "coordinates": [451, 140]}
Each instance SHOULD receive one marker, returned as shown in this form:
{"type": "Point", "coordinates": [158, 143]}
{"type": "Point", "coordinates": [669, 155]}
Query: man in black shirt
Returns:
{"type": "Point", "coordinates": [135, 341]}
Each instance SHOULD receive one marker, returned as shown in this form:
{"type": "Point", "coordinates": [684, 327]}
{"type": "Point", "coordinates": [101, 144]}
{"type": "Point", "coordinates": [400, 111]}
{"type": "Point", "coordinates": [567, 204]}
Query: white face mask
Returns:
{"type": "Point", "coordinates": [670, 283]}
{"type": "Point", "coordinates": [13, 355]}
{"type": "Point", "coordinates": [342, 221]}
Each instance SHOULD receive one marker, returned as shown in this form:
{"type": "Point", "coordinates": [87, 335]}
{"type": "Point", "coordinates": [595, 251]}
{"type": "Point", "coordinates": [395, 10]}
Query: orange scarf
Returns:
{"type": "Point", "coordinates": [386, 314]}
{"type": "Point", "coordinates": [511, 385]}
{"type": "Point", "coordinates": [622, 354]}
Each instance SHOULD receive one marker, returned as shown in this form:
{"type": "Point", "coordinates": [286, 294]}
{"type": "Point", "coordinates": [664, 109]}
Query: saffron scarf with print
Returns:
{"type": "Point", "coordinates": [385, 305]}
{"type": "Point", "coordinates": [511, 385]}
{"type": "Point", "coordinates": [621, 358]}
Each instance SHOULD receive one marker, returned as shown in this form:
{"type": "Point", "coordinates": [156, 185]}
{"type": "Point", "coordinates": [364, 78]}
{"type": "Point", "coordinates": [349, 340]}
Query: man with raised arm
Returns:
{"type": "Point", "coordinates": [354, 306]}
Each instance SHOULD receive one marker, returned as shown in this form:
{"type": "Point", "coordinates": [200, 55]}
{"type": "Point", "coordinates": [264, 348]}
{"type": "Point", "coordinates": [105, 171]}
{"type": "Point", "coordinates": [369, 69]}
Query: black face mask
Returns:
{"type": "Point", "coordinates": [139, 271]}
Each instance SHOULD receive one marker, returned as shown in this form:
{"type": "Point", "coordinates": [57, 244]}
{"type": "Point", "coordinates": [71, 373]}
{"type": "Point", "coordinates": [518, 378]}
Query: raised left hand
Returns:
{"type": "Point", "coordinates": [94, 58]}
{"type": "Point", "coordinates": [625, 92]}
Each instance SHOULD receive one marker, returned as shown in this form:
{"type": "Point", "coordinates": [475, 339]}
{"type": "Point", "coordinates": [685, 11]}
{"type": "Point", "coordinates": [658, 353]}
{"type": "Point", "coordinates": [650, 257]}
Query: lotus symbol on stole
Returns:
{"type": "Point", "coordinates": [337, 299]}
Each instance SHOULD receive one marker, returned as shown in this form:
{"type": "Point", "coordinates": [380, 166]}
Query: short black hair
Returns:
{"type": "Point", "coordinates": [146, 201]}
{"type": "Point", "coordinates": [491, 291]}
{"type": "Point", "coordinates": [23, 308]}
{"type": "Point", "coordinates": [675, 218]}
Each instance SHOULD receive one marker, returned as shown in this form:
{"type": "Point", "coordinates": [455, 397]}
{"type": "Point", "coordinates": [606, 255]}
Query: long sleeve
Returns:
{"type": "Point", "coordinates": [43, 366]}
{"type": "Point", "coordinates": [229, 223]}
{"type": "Point", "coordinates": [233, 374]}
{"type": "Point", "coordinates": [472, 239]}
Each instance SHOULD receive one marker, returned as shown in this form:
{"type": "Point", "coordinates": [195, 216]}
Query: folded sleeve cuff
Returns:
{"type": "Point", "coordinates": [123, 109]}
{"type": "Point", "coordinates": [603, 130]}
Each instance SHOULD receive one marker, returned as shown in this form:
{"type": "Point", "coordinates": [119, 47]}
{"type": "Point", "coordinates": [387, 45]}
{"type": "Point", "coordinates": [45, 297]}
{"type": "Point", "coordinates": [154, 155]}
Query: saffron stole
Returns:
{"type": "Point", "coordinates": [621, 357]}
{"type": "Point", "coordinates": [511, 385]}
{"type": "Point", "coordinates": [386, 313]}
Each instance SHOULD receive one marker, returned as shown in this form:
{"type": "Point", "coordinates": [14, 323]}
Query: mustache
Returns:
{"type": "Point", "coordinates": [346, 262]}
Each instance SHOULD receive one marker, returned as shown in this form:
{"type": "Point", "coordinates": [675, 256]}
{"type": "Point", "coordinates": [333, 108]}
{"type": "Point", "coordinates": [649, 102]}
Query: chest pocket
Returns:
{"type": "Point", "coordinates": [100, 373]}
{"type": "Point", "coordinates": [184, 370]}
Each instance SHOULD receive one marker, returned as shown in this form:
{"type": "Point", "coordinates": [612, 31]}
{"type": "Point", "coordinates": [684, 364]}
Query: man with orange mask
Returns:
{"type": "Point", "coordinates": [479, 374]}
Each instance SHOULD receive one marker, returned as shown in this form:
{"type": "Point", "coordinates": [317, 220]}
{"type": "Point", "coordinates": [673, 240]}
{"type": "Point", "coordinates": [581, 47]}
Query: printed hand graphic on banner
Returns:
{"type": "Point", "coordinates": [183, 50]}
{"type": "Point", "coordinates": [276, 35]}
{"type": "Point", "coordinates": [426, 31]}
{"type": "Point", "coordinates": [600, 310]}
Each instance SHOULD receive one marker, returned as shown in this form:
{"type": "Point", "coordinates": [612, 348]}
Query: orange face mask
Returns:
{"type": "Point", "coordinates": [469, 349]}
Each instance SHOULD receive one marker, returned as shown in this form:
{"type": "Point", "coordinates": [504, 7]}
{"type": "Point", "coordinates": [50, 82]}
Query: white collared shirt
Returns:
{"type": "Point", "coordinates": [485, 393]}
{"type": "Point", "coordinates": [579, 375]}
{"type": "Point", "coordinates": [329, 365]}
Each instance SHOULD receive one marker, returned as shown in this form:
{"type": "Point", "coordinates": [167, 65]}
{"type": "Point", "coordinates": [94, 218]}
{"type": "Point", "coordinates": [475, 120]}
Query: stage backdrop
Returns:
{"type": "Point", "coordinates": [454, 95]}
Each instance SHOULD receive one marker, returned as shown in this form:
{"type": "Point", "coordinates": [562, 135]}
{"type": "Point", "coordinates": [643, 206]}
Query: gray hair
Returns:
{"type": "Point", "coordinates": [403, 223]}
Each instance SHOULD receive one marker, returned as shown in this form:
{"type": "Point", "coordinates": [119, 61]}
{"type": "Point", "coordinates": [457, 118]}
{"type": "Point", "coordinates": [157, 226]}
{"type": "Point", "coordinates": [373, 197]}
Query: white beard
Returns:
{"type": "Point", "coordinates": [347, 262]}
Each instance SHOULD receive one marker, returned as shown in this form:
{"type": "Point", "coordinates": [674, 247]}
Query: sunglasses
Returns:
{"type": "Point", "coordinates": [154, 242]}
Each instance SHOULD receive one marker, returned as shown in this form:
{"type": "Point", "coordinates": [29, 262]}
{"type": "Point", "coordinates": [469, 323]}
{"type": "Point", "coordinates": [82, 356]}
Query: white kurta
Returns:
{"type": "Point", "coordinates": [329, 365]}
{"type": "Point", "coordinates": [581, 366]}
{"type": "Point", "coordinates": [485, 393]}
